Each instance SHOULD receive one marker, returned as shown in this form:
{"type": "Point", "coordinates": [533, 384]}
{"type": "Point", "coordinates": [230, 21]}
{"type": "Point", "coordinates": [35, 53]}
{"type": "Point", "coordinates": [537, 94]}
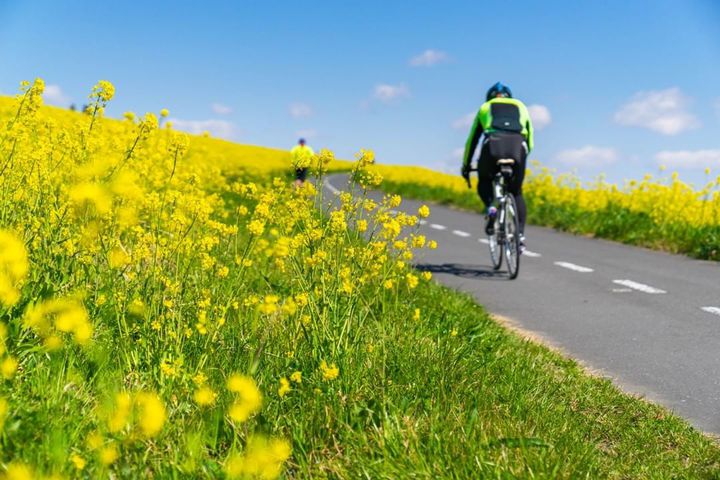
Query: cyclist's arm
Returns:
{"type": "Point", "coordinates": [530, 134]}
{"type": "Point", "coordinates": [475, 132]}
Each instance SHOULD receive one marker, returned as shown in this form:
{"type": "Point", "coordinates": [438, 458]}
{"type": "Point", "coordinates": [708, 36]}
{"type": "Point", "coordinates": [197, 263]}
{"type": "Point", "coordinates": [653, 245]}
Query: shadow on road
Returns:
{"type": "Point", "coordinates": [462, 270]}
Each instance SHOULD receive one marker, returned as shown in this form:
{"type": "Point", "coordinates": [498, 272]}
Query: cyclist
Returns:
{"type": "Point", "coordinates": [508, 130]}
{"type": "Point", "coordinates": [301, 157]}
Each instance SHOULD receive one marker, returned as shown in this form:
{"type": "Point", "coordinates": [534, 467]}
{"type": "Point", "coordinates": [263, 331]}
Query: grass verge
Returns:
{"type": "Point", "coordinates": [614, 221]}
{"type": "Point", "coordinates": [455, 395]}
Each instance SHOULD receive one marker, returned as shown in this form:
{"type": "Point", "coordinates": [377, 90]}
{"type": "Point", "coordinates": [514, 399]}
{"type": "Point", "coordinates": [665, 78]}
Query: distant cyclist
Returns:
{"type": "Point", "coordinates": [508, 134]}
{"type": "Point", "coordinates": [301, 157]}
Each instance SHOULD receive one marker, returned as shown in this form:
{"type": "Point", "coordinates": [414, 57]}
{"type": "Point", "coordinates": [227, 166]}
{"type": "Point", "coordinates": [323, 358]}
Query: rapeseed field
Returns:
{"type": "Point", "coordinates": [658, 212]}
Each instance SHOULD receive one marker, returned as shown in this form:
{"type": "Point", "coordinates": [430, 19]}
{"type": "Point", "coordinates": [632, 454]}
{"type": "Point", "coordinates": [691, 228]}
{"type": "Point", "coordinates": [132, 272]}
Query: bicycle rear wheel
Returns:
{"type": "Point", "coordinates": [496, 250]}
{"type": "Point", "coordinates": [512, 237]}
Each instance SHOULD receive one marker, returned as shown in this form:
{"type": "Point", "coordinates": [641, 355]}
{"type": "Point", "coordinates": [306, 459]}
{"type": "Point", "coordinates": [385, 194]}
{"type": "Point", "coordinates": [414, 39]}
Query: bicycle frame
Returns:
{"type": "Point", "coordinates": [500, 188]}
{"type": "Point", "coordinates": [505, 238]}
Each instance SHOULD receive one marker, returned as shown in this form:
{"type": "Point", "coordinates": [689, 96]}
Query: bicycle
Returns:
{"type": "Point", "coordinates": [505, 240]}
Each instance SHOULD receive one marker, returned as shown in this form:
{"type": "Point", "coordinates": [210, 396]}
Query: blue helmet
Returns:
{"type": "Point", "coordinates": [498, 88]}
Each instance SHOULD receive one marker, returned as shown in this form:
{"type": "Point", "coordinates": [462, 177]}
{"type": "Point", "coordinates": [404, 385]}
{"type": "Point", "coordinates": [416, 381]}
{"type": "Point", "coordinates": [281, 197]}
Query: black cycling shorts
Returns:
{"type": "Point", "coordinates": [503, 145]}
{"type": "Point", "coordinates": [301, 174]}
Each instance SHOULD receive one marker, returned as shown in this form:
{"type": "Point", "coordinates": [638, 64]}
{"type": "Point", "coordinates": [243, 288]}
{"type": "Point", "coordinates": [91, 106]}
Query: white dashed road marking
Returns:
{"type": "Point", "coordinates": [576, 268]}
{"type": "Point", "coordinates": [621, 290]}
{"type": "Point", "coordinates": [713, 310]}
{"type": "Point", "coordinates": [641, 287]}
{"type": "Point", "coordinates": [331, 188]}
{"type": "Point", "coordinates": [484, 240]}
{"type": "Point", "coordinates": [422, 222]}
{"type": "Point", "coordinates": [460, 233]}
{"type": "Point", "coordinates": [438, 227]}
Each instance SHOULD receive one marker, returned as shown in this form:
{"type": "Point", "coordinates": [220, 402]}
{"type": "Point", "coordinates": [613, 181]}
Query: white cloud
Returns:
{"type": "Point", "coordinates": [588, 156]}
{"type": "Point", "coordinates": [464, 122]}
{"type": "Point", "coordinates": [300, 110]}
{"type": "Point", "coordinates": [388, 93]}
{"type": "Point", "coordinates": [54, 95]}
{"type": "Point", "coordinates": [458, 153]}
{"type": "Point", "coordinates": [306, 133]}
{"type": "Point", "coordinates": [689, 159]}
{"type": "Point", "coordinates": [221, 109]}
{"type": "Point", "coordinates": [540, 116]}
{"type": "Point", "coordinates": [428, 58]}
{"type": "Point", "coordinates": [664, 111]}
{"type": "Point", "coordinates": [216, 128]}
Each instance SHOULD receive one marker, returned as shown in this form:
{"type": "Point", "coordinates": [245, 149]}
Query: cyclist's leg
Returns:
{"type": "Point", "coordinates": [300, 176]}
{"type": "Point", "coordinates": [515, 188]}
{"type": "Point", "coordinates": [486, 172]}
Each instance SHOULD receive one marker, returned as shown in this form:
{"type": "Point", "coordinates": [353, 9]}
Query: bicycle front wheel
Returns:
{"type": "Point", "coordinates": [496, 250]}
{"type": "Point", "coordinates": [512, 237]}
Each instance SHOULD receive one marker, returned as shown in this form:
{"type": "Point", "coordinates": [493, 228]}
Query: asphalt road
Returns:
{"type": "Point", "coordinates": [648, 320]}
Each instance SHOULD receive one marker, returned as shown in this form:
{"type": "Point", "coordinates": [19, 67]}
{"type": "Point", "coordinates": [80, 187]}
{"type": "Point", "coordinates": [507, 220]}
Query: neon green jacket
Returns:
{"type": "Point", "coordinates": [499, 114]}
{"type": "Point", "coordinates": [301, 156]}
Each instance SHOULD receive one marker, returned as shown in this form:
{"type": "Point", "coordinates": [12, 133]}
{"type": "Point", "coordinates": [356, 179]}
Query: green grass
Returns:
{"type": "Point", "coordinates": [481, 404]}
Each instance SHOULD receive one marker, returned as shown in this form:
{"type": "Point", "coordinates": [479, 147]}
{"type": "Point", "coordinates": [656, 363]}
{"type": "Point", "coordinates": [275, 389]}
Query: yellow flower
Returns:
{"type": "Point", "coordinates": [8, 367]}
{"type": "Point", "coordinates": [426, 275]}
{"type": "Point", "coordinates": [53, 342]}
{"type": "Point", "coordinates": [13, 267]}
{"type": "Point", "coordinates": [361, 225]}
{"type": "Point", "coordinates": [3, 411]}
{"type": "Point", "coordinates": [416, 314]}
{"type": "Point", "coordinates": [151, 414]}
{"type": "Point", "coordinates": [248, 397]}
{"type": "Point", "coordinates": [94, 440]}
{"type": "Point", "coordinates": [204, 396]}
{"type": "Point", "coordinates": [89, 193]}
{"type": "Point", "coordinates": [19, 471]}
{"type": "Point", "coordinates": [121, 412]}
{"type": "Point", "coordinates": [256, 227]}
{"type": "Point", "coordinates": [329, 372]}
{"type": "Point", "coordinates": [424, 211]}
{"type": "Point", "coordinates": [412, 280]}
{"type": "Point", "coordinates": [262, 458]}
{"type": "Point", "coordinates": [78, 461]}
{"type": "Point", "coordinates": [164, 112]}
{"type": "Point", "coordinates": [284, 387]}
{"type": "Point", "coordinates": [108, 454]}
{"type": "Point", "coordinates": [296, 377]}
{"type": "Point", "coordinates": [104, 90]}
{"type": "Point", "coordinates": [432, 244]}
{"type": "Point", "coordinates": [337, 221]}
{"type": "Point", "coordinates": [199, 379]}
{"type": "Point", "coordinates": [117, 258]}
{"type": "Point", "coordinates": [66, 315]}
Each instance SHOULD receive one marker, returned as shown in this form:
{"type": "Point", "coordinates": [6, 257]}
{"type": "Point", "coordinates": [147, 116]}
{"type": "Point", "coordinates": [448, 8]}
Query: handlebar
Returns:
{"type": "Point", "coordinates": [468, 178]}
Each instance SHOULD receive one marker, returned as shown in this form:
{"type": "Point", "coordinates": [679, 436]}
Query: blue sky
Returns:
{"type": "Point", "coordinates": [617, 86]}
